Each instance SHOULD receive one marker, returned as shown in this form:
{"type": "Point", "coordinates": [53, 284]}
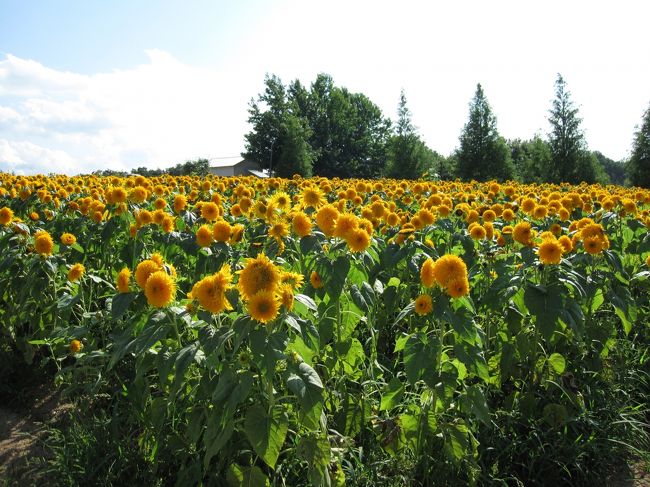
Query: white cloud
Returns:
{"type": "Point", "coordinates": [157, 114]}
{"type": "Point", "coordinates": [28, 158]}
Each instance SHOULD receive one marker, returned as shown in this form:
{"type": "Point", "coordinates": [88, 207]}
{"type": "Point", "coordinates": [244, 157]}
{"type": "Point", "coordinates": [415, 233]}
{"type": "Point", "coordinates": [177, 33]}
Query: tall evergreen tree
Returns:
{"type": "Point", "coordinates": [571, 162]}
{"type": "Point", "coordinates": [409, 156]}
{"type": "Point", "coordinates": [483, 153]}
{"type": "Point", "coordinates": [639, 166]}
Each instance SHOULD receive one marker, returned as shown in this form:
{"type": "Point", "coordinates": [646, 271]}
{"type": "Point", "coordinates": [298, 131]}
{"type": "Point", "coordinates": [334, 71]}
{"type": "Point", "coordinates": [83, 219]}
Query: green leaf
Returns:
{"type": "Point", "coordinates": [358, 299]}
{"type": "Point", "coordinates": [456, 441]}
{"type": "Point", "coordinates": [545, 304]}
{"type": "Point", "coordinates": [420, 357]}
{"type": "Point", "coordinates": [305, 383]}
{"type": "Point", "coordinates": [557, 363]}
{"type": "Point", "coordinates": [339, 273]}
{"type": "Point", "coordinates": [307, 301]}
{"type": "Point", "coordinates": [408, 309]}
{"type": "Point", "coordinates": [392, 394]}
{"type": "Point", "coordinates": [120, 303]}
{"type": "Point", "coordinates": [316, 451]}
{"type": "Point", "coordinates": [266, 433]}
{"type": "Point", "coordinates": [216, 436]}
{"type": "Point", "coordinates": [478, 404]}
{"type": "Point", "coordinates": [246, 476]}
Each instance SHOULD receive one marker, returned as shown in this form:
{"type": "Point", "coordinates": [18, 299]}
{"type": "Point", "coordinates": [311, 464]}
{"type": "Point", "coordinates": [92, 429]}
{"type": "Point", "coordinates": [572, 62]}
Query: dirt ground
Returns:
{"type": "Point", "coordinates": [22, 433]}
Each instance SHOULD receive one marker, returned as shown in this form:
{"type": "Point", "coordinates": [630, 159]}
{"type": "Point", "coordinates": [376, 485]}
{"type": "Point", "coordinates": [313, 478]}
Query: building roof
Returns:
{"type": "Point", "coordinates": [225, 161]}
{"type": "Point", "coordinates": [264, 173]}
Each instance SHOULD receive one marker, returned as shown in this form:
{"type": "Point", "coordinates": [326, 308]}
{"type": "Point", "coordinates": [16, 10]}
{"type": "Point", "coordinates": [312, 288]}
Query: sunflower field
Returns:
{"type": "Point", "coordinates": [326, 332]}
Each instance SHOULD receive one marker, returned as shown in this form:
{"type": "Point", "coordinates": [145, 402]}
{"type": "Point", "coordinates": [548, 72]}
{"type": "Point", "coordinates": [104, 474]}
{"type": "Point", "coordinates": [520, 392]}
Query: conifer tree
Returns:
{"type": "Point", "coordinates": [640, 161]}
{"type": "Point", "coordinates": [483, 153]}
{"type": "Point", "coordinates": [571, 162]}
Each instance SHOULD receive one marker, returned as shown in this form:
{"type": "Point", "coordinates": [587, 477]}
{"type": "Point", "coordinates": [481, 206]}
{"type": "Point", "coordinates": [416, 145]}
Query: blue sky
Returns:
{"type": "Point", "coordinates": [97, 84]}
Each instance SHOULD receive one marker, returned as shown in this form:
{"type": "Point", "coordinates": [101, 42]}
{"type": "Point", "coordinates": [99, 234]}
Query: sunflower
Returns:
{"type": "Point", "coordinates": [286, 296]}
{"type": "Point", "coordinates": [326, 219]}
{"type": "Point", "coordinates": [43, 243]}
{"type": "Point", "coordinates": [279, 230]}
{"type": "Point", "coordinates": [259, 275]}
{"type": "Point", "coordinates": [565, 242]}
{"type": "Point", "coordinates": [263, 306]}
{"type": "Point", "coordinates": [315, 280]}
{"type": "Point", "coordinates": [301, 224]}
{"type": "Point", "coordinates": [209, 211]}
{"type": "Point", "coordinates": [294, 279]}
{"type": "Point", "coordinates": [144, 270]}
{"type": "Point", "coordinates": [281, 201]}
{"type": "Point", "coordinates": [157, 258]}
{"type": "Point", "coordinates": [312, 197]}
{"type": "Point", "coordinates": [68, 239]}
{"type": "Point", "coordinates": [508, 215]}
{"type": "Point", "coordinates": [75, 272]}
{"type": "Point", "coordinates": [221, 231]}
{"type": "Point", "coordinates": [204, 236]}
{"type": "Point", "coordinates": [180, 202]}
{"type": "Point", "coordinates": [346, 225]}
{"type": "Point", "coordinates": [138, 194]}
{"type": "Point", "coordinates": [427, 276]}
{"type": "Point", "coordinates": [593, 245]}
{"type": "Point", "coordinates": [122, 281]}
{"type": "Point", "coordinates": [522, 233]}
{"type": "Point", "coordinates": [449, 268]}
{"type": "Point", "coordinates": [75, 346]}
{"type": "Point", "coordinates": [458, 287]}
{"type": "Point", "coordinates": [477, 232]}
{"type": "Point", "coordinates": [6, 215]}
{"type": "Point", "coordinates": [211, 291]}
{"type": "Point", "coordinates": [550, 251]}
{"type": "Point", "coordinates": [237, 233]}
{"type": "Point", "coordinates": [359, 240]}
{"type": "Point", "coordinates": [423, 304]}
{"type": "Point", "coordinates": [159, 289]}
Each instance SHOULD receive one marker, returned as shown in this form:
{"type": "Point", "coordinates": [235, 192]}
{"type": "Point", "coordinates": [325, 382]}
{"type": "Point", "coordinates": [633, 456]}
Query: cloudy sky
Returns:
{"type": "Point", "coordinates": [86, 85]}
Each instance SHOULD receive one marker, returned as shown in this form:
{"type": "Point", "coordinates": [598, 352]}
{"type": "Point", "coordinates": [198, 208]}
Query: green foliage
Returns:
{"type": "Point", "coordinates": [571, 162]}
{"type": "Point", "coordinates": [408, 155]}
{"type": "Point", "coordinates": [483, 153]}
{"type": "Point", "coordinates": [339, 133]}
{"type": "Point", "coordinates": [615, 170]}
{"type": "Point", "coordinates": [639, 165]}
{"type": "Point", "coordinates": [296, 155]}
{"type": "Point", "coordinates": [531, 159]}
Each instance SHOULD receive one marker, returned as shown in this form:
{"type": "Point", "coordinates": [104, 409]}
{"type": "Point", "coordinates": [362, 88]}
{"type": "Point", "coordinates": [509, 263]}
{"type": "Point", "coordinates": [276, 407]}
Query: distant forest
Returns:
{"type": "Point", "coordinates": [325, 130]}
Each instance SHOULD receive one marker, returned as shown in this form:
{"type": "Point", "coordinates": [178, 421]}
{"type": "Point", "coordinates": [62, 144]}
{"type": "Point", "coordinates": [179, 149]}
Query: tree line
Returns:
{"type": "Point", "coordinates": [326, 130]}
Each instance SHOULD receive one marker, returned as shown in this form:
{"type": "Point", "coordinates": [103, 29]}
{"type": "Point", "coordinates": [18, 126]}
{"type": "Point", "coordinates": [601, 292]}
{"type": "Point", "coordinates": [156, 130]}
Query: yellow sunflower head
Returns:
{"type": "Point", "coordinates": [122, 280]}
{"type": "Point", "coordinates": [550, 251]}
{"type": "Point", "coordinates": [75, 272]}
{"type": "Point", "coordinates": [423, 304]}
{"type": "Point", "coordinates": [159, 289]}
{"type": "Point", "coordinates": [264, 306]}
{"type": "Point", "coordinates": [259, 274]}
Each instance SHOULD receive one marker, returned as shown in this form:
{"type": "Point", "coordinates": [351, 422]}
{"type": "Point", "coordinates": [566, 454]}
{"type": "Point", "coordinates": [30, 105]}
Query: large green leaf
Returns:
{"type": "Point", "coordinates": [557, 363]}
{"type": "Point", "coordinates": [246, 477]}
{"type": "Point", "coordinates": [392, 394]}
{"type": "Point", "coordinates": [266, 433]}
{"type": "Point", "coordinates": [305, 383]}
{"type": "Point", "coordinates": [478, 404]}
{"type": "Point", "coordinates": [120, 303]}
{"type": "Point", "coordinates": [545, 304]}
